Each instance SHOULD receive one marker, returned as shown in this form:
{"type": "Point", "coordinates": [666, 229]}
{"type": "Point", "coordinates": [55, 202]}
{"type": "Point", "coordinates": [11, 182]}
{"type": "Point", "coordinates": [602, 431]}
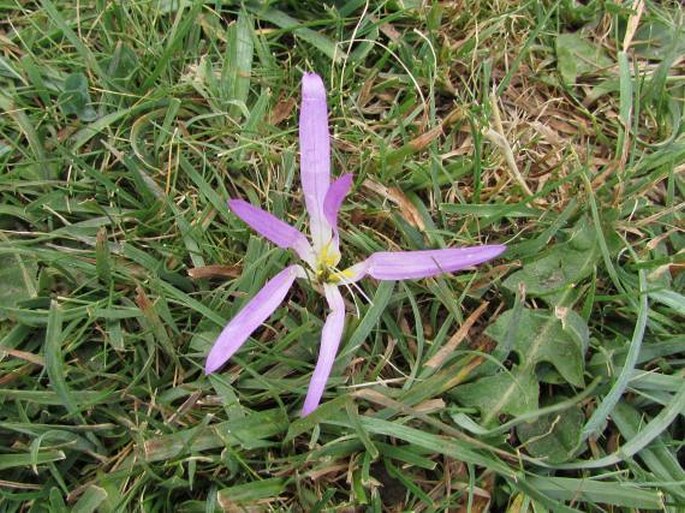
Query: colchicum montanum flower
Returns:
{"type": "Point", "coordinates": [323, 199]}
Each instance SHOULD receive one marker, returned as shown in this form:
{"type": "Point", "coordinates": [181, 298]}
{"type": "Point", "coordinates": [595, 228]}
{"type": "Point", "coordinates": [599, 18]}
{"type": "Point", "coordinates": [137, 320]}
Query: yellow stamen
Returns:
{"type": "Point", "coordinates": [338, 276]}
{"type": "Point", "coordinates": [328, 258]}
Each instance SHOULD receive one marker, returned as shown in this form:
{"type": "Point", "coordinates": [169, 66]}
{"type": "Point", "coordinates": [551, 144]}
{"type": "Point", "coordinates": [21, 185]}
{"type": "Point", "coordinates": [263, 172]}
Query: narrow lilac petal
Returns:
{"type": "Point", "coordinates": [272, 228]}
{"type": "Point", "coordinates": [315, 155]}
{"type": "Point", "coordinates": [334, 197]}
{"type": "Point", "coordinates": [332, 202]}
{"type": "Point", "coordinates": [406, 265]}
{"type": "Point", "coordinates": [330, 340]}
{"type": "Point", "coordinates": [252, 315]}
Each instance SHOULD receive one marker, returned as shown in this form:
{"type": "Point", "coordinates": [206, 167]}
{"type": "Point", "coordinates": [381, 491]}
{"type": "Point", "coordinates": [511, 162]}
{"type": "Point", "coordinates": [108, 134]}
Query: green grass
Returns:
{"type": "Point", "coordinates": [553, 127]}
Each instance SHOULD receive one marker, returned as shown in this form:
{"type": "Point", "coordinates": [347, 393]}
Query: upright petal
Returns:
{"type": "Point", "coordinates": [252, 315]}
{"type": "Point", "coordinates": [272, 228]}
{"type": "Point", "coordinates": [315, 155]}
{"type": "Point", "coordinates": [330, 340]}
{"type": "Point", "coordinates": [407, 265]}
{"type": "Point", "coordinates": [332, 202]}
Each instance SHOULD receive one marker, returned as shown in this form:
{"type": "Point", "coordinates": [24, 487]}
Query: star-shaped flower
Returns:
{"type": "Point", "coordinates": [322, 201]}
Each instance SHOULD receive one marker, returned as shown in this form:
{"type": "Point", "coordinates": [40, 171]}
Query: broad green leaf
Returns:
{"type": "Point", "coordinates": [559, 338]}
{"type": "Point", "coordinates": [539, 336]}
{"type": "Point", "coordinates": [556, 274]}
{"type": "Point", "coordinates": [18, 275]}
{"type": "Point", "coordinates": [576, 56]}
{"type": "Point", "coordinates": [75, 98]}
{"type": "Point", "coordinates": [512, 392]}
{"type": "Point", "coordinates": [553, 437]}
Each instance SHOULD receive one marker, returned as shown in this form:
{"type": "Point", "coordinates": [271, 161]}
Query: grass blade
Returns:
{"type": "Point", "coordinates": [54, 358]}
{"type": "Point", "coordinates": [605, 408]}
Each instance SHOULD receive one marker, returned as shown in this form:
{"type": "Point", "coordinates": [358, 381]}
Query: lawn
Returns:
{"type": "Point", "coordinates": [548, 379]}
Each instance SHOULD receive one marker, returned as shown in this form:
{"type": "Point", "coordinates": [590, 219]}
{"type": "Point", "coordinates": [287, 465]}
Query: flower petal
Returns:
{"type": "Point", "coordinates": [250, 317]}
{"type": "Point", "coordinates": [315, 155]}
{"type": "Point", "coordinates": [330, 340]}
{"type": "Point", "coordinates": [406, 265]}
{"type": "Point", "coordinates": [332, 202]}
{"type": "Point", "coordinates": [272, 228]}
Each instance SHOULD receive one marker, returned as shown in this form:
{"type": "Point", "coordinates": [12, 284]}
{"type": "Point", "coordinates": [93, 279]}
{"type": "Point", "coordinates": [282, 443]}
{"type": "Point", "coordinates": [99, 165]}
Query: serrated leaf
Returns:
{"type": "Point", "coordinates": [555, 274]}
{"type": "Point", "coordinates": [576, 56]}
{"type": "Point", "coordinates": [514, 393]}
{"type": "Point", "coordinates": [543, 336]}
{"type": "Point", "coordinates": [18, 275]}
{"type": "Point", "coordinates": [554, 437]}
{"type": "Point", "coordinates": [559, 338]}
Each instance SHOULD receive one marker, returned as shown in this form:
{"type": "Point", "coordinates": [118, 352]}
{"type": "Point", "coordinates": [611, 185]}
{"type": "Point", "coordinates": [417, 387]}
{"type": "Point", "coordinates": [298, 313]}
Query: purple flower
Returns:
{"type": "Point", "coordinates": [323, 200]}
